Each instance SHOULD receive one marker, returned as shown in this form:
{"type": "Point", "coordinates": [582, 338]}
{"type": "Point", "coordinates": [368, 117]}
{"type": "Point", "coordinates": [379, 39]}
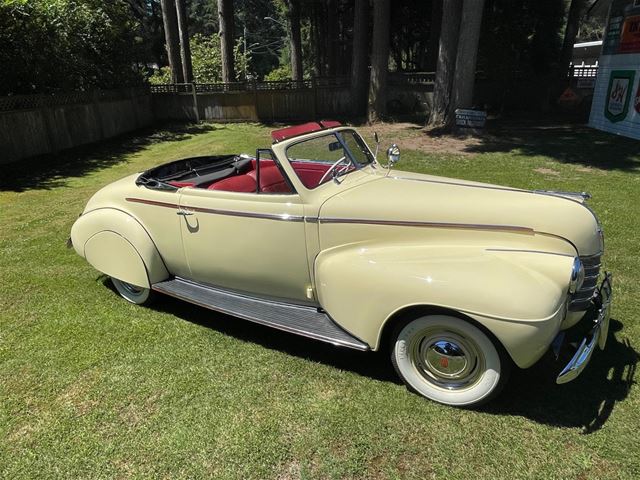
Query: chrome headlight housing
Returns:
{"type": "Point", "coordinates": [577, 275]}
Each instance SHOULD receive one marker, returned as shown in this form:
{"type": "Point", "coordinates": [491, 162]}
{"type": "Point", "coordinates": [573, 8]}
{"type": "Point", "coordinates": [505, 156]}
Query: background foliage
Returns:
{"type": "Point", "coordinates": [49, 45]}
{"type": "Point", "coordinates": [55, 45]}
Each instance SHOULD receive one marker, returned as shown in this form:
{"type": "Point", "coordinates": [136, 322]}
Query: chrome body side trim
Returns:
{"type": "Point", "coordinates": [411, 223]}
{"type": "Point", "coordinates": [559, 193]}
{"type": "Point", "coordinates": [285, 217]}
{"type": "Point", "coordinates": [527, 251]}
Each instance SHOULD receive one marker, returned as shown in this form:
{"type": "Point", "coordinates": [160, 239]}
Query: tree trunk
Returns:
{"type": "Point", "coordinates": [360, 58]}
{"type": "Point", "coordinates": [434, 37]}
{"type": "Point", "coordinates": [379, 61]}
{"type": "Point", "coordinates": [185, 49]}
{"type": "Point", "coordinates": [332, 37]}
{"type": "Point", "coordinates": [316, 38]}
{"type": "Point", "coordinates": [466, 59]}
{"type": "Point", "coordinates": [170, 23]}
{"type": "Point", "coordinates": [445, 69]}
{"type": "Point", "coordinates": [576, 11]}
{"type": "Point", "coordinates": [295, 42]}
{"type": "Point", "coordinates": [225, 19]}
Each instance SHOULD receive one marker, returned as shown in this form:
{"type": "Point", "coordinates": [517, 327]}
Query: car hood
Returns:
{"type": "Point", "coordinates": [409, 199]}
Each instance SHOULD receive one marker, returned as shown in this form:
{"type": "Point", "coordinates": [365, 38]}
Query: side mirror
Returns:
{"type": "Point", "coordinates": [393, 155]}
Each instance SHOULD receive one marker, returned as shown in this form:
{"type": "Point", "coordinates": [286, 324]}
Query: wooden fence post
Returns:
{"type": "Point", "coordinates": [314, 92]}
{"type": "Point", "coordinates": [195, 102]}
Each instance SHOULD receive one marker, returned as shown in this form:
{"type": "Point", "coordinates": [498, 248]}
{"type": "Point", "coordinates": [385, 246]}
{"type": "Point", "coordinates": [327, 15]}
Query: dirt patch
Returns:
{"type": "Point", "coordinates": [414, 136]}
{"type": "Point", "coordinates": [547, 171]}
{"type": "Point", "coordinates": [290, 471]}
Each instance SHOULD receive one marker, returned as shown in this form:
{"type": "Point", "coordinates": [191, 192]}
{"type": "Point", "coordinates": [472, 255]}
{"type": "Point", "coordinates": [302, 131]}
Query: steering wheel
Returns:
{"type": "Point", "coordinates": [332, 168]}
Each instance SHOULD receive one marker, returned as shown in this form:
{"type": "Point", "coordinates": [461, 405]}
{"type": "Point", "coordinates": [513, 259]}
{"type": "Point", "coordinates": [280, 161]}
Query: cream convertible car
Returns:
{"type": "Point", "coordinates": [313, 236]}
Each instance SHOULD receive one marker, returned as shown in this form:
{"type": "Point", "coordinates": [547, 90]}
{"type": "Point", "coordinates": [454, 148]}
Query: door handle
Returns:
{"type": "Point", "coordinates": [184, 212]}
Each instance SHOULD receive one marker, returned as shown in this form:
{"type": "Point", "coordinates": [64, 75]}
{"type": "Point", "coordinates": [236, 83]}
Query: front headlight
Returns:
{"type": "Point", "coordinates": [577, 275]}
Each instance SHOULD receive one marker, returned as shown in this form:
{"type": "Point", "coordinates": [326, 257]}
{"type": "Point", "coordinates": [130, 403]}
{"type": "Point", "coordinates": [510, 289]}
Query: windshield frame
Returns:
{"type": "Point", "coordinates": [353, 162]}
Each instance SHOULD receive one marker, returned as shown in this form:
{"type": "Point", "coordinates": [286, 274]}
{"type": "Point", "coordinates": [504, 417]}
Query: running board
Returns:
{"type": "Point", "coordinates": [299, 319]}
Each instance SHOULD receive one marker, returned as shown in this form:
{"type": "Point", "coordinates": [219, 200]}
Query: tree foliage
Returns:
{"type": "Point", "coordinates": [53, 45]}
{"type": "Point", "coordinates": [206, 59]}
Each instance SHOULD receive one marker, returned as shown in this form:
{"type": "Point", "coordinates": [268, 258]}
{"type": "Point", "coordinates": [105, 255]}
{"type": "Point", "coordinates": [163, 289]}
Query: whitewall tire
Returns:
{"type": "Point", "coordinates": [448, 360]}
{"type": "Point", "coordinates": [133, 293]}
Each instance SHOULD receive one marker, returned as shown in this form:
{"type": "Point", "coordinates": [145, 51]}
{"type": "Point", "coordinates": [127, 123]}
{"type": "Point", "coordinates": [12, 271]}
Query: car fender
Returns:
{"type": "Point", "coordinates": [115, 243]}
{"type": "Point", "coordinates": [518, 295]}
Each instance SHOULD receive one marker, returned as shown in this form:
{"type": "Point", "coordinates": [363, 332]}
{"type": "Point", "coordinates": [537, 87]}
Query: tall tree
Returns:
{"type": "Point", "coordinates": [225, 22]}
{"type": "Point", "coordinates": [467, 56]}
{"type": "Point", "coordinates": [170, 22]}
{"type": "Point", "coordinates": [360, 59]}
{"type": "Point", "coordinates": [431, 60]}
{"type": "Point", "coordinates": [577, 10]}
{"type": "Point", "coordinates": [185, 49]}
{"type": "Point", "coordinates": [295, 42]}
{"type": "Point", "coordinates": [441, 113]}
{"type": "Point", "coordinates": [331, 39]}
{"type": "Point", "coordinates": [379, 61]}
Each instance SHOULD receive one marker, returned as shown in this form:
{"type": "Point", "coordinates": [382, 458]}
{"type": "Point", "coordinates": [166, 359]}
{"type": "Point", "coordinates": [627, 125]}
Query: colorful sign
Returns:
{"type": "Point", "coordinates": [630, 38]}
{"type": "Point", "coordinates": [619, 95]}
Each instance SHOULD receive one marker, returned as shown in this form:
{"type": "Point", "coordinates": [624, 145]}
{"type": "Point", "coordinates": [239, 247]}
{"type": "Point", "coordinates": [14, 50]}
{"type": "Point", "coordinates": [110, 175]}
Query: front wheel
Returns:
{"type": "Point", "coordinates": [448, 360]}
{"type": "Point", "coordinates": [133, 293]}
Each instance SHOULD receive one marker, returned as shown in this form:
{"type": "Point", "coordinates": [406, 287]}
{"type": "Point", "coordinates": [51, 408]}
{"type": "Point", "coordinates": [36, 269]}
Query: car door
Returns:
{"type": "Point", "coordinates": [249, 242]}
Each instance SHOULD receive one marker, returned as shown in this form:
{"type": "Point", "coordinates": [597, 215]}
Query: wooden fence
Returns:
{"type": "Point", "coordinates": [37, 124]}
{"type": "Point", "coordinates": [283, 100]}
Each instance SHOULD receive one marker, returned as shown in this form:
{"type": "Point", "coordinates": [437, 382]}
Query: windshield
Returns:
{"type": "Point", "coordinates": [320, 159]}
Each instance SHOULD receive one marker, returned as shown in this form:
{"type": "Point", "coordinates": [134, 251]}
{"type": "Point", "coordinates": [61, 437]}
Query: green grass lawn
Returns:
{"type": "Point", "coordinates": [94, 387]}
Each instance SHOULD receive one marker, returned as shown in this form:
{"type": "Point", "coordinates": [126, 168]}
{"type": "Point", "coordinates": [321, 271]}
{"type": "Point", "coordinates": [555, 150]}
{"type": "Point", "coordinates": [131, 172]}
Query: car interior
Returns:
{"type": "Point", "coordinates": [235, 173]}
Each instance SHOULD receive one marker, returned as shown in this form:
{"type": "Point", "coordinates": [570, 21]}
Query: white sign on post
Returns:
{"type": "Point", "coordinates": [470, 118]}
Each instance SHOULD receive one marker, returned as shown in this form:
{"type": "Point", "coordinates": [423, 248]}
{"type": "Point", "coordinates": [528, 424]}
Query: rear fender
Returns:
{"type": "Point", "coordinates": [115, 243]}
{"type": "Point", "coordinates": [518, 296]}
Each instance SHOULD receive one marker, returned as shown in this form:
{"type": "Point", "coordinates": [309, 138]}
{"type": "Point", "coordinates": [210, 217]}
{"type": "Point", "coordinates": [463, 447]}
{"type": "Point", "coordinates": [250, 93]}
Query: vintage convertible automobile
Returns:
{"type": "Point", "coordinates": [458, 279]}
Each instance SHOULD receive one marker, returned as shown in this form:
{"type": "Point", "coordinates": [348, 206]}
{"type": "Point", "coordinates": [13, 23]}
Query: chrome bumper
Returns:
{"type": "Point", "coordinates": [598, 335]}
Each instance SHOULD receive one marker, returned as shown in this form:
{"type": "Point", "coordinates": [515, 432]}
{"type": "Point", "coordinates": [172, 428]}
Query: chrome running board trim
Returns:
{"type": "Point", "coordinates": [299, 319]}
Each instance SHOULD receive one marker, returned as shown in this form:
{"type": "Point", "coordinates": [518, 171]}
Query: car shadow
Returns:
{"type": "Point", "coordinates": [45, 172]}
{"type": "Point", "coordinates": [585, 403]}
{"type": "Point", "coordinates": [368, 364]}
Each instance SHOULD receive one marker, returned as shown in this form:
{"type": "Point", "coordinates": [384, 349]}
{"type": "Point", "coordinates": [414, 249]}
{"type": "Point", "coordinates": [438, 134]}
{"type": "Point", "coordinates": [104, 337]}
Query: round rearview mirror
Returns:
{"type": "Point", "coordinates": [393, 154]}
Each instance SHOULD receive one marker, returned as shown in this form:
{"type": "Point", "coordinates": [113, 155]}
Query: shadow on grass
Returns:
{"type": "Point", "coordinates": [585, 403]}
{"type": "Point", "coordinates": [567, 143]}
{"type": "Point", "coordinates": [372, 365]}
{"type": "Point", "coordinates": [54, 170]}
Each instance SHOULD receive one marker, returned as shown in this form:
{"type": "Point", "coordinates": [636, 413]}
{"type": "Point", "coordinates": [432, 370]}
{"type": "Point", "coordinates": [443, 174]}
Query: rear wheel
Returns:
{"type": "Point", "coordinates": [449, 360]}
{"type": "Point", "coordinates": [133, 293]}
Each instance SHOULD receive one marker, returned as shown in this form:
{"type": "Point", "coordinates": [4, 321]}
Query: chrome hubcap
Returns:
{"type": "Point", "coordinates": [446, 358]}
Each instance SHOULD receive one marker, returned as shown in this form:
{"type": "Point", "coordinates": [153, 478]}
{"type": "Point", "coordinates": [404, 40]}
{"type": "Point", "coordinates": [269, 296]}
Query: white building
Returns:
{"type": "Point", "coordinates": [616, 97]}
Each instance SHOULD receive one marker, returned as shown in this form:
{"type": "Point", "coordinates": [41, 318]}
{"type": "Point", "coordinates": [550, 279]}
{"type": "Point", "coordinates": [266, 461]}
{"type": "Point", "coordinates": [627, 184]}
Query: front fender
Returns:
{"type": "Point", "coordinates": [517, 295]}
{"type": "Point", "coordinates": [115, 243]}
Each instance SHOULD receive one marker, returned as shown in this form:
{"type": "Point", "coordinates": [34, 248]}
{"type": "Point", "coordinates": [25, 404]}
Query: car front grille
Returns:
{"type": "Point", "coordinates": [581, 300]}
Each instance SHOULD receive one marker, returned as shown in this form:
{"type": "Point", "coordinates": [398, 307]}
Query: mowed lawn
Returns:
{"type": "Point", "coordinates": [93, 387]}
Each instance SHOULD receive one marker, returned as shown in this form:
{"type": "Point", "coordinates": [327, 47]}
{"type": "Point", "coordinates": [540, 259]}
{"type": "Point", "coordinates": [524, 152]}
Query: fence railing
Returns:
{"type": "Point", "coordinates": [580, 71]}
{"type": "Point", "coordinates": [395, 78]}
{"type": "Point", "coordinates": [26, 102]}
{"type": "Point", "coordinates": [250, 86]}
{"type": "Point", "coordinates": [412, 78]}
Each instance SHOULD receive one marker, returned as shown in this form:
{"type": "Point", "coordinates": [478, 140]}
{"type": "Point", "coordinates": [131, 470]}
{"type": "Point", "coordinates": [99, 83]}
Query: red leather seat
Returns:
{"type": "Point", "coordinates": [271, 180]}
{"type": "Point", "coordinates": [239, 183]}
{"type": "Point", "coordinates": [182, 184]}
